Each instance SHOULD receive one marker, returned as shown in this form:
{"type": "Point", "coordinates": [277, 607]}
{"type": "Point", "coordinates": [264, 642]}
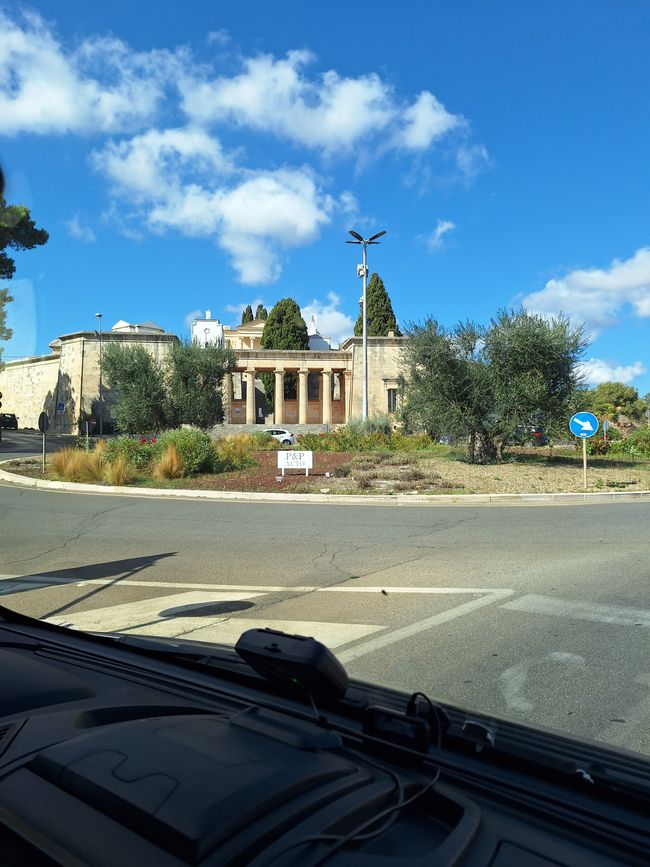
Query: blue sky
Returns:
{"type": "Point", "coordinates": [208, 155]}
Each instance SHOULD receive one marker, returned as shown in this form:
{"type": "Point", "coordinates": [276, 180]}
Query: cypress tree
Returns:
{"type": "Point", "coordinates": [284, 329]}
{"type": "Point", "coordinates": [381, 318]}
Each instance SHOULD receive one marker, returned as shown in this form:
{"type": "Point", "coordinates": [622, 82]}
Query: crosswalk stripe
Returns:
{"type": "Point", "coordinates": [164, 616]}
{"type": "Point", "coordinates": [577, 610]}
{"type": "Point", "coordinates": [38, 581]}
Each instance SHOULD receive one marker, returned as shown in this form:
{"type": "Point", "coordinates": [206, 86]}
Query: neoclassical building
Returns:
{"type": "Point", "coordinates": [318, 386]}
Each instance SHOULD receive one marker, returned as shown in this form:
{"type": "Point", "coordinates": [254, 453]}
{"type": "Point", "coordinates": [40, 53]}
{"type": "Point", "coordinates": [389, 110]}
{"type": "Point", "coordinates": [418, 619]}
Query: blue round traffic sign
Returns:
{"type": "Point", "coordinates": [583, 425]}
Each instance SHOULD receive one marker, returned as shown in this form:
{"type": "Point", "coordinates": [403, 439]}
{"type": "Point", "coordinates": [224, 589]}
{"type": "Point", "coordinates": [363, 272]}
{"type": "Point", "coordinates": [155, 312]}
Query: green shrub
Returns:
{"type": "Point", "coordinates": [139, 452]}
{"type": "Point", "coordinates": [353, 438]}
{"type": "Point", "coordinates": [193, 446]}
{"type": "Point", "coordinates": [378, 424]}
{"type": "Point", "coordinates": [265, 442]}
{"type": "Point", "coordinates": [636, 444]}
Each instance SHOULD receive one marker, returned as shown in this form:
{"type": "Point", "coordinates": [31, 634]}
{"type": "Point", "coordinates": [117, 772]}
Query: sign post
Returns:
{"type": "Point", "coordinates": [43, 424]}
{"type": "Point", "coordinates": [583, 425]}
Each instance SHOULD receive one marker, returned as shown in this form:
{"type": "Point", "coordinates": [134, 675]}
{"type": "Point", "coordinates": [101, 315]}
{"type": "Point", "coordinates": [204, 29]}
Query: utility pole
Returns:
{"type": "Point", "coordinates": [362, 271]}
{"type": "Point", "coordinates": [101, 395]}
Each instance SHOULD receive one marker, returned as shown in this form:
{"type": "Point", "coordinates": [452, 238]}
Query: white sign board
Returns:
{"type": "Point", "coordinates": [290, 460]}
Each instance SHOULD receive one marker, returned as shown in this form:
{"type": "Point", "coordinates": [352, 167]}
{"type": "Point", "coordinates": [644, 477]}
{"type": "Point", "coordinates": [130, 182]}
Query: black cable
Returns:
{"type": "Point", "coordinates": [355, 835]}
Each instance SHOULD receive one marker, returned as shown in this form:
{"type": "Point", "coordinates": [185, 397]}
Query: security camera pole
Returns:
{"type": "Point", "coordinates": [362, 271]}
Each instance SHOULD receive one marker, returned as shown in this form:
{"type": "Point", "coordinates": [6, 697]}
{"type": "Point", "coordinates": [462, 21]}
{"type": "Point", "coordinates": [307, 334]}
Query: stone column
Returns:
{"type": "Point", "coordinates": [279, 397]}
{"type": "Point", "coordinates": [347, 379]}
{"type": "Point", "coordinates": [302, 396]}
{"type": "Point", "coordinates": [227, 398]}
{"type": "Point", "coordinates": [327, 396]}
{"type": "Point", "coordinates": [250, 396]}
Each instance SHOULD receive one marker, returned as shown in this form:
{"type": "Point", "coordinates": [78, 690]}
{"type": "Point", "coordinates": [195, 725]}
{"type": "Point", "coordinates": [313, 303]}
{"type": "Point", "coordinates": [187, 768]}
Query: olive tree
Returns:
{"type": "Point", "coordinates": [483, 382]}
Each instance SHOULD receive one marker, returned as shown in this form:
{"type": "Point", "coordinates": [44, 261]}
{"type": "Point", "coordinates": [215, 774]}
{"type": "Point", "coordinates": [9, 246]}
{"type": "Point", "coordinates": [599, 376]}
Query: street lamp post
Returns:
{"type": "Point", "coordinates": [101, 396]}
{"type": "Point", "coordinates": [362, 271]}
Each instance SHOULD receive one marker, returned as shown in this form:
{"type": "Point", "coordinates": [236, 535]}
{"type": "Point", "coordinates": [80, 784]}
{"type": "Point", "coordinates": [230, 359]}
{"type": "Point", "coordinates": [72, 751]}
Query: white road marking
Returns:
{"type": "Point", "coordinates": [55, 580]}
{"type": "Point", "coordinates": [163, 616]}
{"type": "Point", "coordinates": [164, 613]}
{"type": "Point", "coordinates": [576, 610]}
{"type": "Point", "coordinates": [381, 641]}
{"type": "Point", "coordinates": [46, 581]}
{"type": "Point", "coordinates": [145, 616]}
{"type": "Point", "coordinates": [513, 679]}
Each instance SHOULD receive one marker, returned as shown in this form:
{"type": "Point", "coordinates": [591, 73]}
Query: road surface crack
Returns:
{"type": "Point", "coordinates": [86, 527]}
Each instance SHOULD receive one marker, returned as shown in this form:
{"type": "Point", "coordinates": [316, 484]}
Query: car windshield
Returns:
{"type": "Point", "coordinates": [335, 320]}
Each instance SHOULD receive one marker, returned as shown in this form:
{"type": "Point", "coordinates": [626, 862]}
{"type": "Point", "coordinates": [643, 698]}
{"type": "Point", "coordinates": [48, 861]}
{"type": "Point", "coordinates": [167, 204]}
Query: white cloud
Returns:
{"type": "Point", "coordinates": [191, 316]}
{"type": "Point", "coordinates": [598, 297]}
{"type": "Point", "coordinates": [471, 160]}
{"type": "Point", "coordinates": [173, 177]}
{"type": "Point", "coordinates": [79, 230]}
{"type": "Point", "coordinates": [435, 240]}
{"type": "Point", "coordinates": [147, 165]}
{"type": "Point", "coordinates": [102, 85]}
{"type": "Point", "coordinates": [239, 308]}
{"type": "Point", "coordinates": [330, 319]}
{"type": "Point", "coordinates": [218, 37]}
{"type": "Point", "coordinates": [596, 370]}
{"type": "Point", "coordinates": [328, 111]}
{"type": "Point", "coordinates": [275, 96]}
{"type": "Point", "coordinates": [426, 121]}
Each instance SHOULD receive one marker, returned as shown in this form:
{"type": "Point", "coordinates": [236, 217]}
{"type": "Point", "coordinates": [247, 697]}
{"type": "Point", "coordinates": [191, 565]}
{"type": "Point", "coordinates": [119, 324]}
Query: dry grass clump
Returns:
{"type": "Point", "coordinates": [70, 465]}
{"type": "Point", "coordinates": [119, 472]}
{"type": "Point", "coordinates": [235, 452]}
{"type": "Point", "coordinates": [170, 465]}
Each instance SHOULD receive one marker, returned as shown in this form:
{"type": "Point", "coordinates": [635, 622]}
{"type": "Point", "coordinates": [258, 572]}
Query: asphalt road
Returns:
{"type": "Point", "coordinates": [539, 613]}
{"type": "Point", "coordinates": [28, 442]}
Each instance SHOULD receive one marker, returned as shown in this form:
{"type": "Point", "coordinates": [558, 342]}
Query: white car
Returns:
{"type": "Point", "coordinates": [283, 436]}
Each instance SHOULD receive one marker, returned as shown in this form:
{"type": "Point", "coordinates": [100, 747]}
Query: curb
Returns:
{"type": "Point", "coordinates": [349, 499]}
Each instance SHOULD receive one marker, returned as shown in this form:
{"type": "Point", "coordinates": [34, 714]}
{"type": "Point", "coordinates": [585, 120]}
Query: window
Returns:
{"type": "Point", "coordinates": [392, 400]}
{"type": "Point", "coordinates": [313, 386]}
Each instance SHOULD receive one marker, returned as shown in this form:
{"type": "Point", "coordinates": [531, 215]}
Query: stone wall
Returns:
{"type": "Point", "coordinates": [68, 377]}
{"type": "Point", "coordinates": [384, 368]}
{"type": "Point", "coordinates": [28, 388]}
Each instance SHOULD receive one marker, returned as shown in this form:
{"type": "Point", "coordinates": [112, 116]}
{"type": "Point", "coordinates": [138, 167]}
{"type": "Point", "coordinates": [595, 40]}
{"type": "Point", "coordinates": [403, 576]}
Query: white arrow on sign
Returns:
{"type": "Point", "coordinates": [585, 425]}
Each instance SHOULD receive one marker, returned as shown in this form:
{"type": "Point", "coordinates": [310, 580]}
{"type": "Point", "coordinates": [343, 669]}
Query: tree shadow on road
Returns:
{"type": "Point", "coordinates": [117, 570]}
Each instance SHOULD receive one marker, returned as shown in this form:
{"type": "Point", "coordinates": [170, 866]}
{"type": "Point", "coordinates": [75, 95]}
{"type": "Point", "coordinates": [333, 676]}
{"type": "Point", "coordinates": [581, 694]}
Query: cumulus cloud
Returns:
{"type": "Point", "coordinates": [596, 370]}
{"type": "Point", "coordinates": [102, 85]}
{"type": "Point", "coordinates": [329, 111]}
{"type": "Point", "coordinates": [80, 230]}
{"type": "Point", "coordinates": [149, 163]}
{"type": "Point", "coordinates": [426, 121]}
{"type": "Point", "coordinates": [598, 297]}
{"type": "Point", "coordinates": [274, 95]}
{"type": "Point", "coordinates": [436, 239]}
{"type": "Point", "coordinates": [180, 179]}
{"type": "Point", "coordinates": [331, 321]}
